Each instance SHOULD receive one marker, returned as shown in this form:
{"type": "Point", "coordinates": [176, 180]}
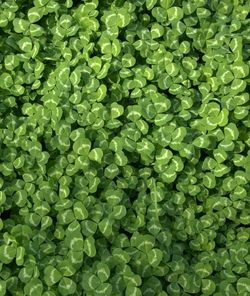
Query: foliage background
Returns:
{"type": "Point", "coordinates": [124, 137]}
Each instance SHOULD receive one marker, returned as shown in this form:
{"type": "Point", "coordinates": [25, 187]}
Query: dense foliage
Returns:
{"type": "Point", "coordinates": [124, 136]}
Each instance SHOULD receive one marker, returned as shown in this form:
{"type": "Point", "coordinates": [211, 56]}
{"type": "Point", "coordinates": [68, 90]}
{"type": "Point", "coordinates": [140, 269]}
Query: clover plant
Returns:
{"type": "Point", "coordinates": [124, 137]}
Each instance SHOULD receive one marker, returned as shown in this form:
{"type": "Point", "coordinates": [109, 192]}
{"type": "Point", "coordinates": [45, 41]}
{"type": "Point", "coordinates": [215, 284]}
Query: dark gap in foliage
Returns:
{"type": "Point", "coordinates": [6, 214]}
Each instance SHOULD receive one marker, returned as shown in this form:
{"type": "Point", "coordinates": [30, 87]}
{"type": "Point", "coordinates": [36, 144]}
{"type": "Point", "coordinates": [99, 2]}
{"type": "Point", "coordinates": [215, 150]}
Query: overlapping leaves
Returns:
{"type": "Point", "coordinates": [124, 147]}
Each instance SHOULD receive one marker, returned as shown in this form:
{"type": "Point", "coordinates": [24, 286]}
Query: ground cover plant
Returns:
{"type": "Point", "coordinates": [124, 137]}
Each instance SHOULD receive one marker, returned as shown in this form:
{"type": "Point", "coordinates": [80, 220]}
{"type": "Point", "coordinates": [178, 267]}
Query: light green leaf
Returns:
{"type": "Point", "coordinates": [133, 291]}
{"type": "Point", "coordinates": [231, 131]}
{"type": "Point", "coordinates": [123, 18]}
{"type": "Point", "coordinates": [105, 227]}
{"type": "Point", "coordinates": [238, 86]}
{"type": "Point", "coordinates": [208, 287]}
{"type": "Point", "coordinates": [150, 4]}
{"type": "Point", "coordinates": [90, 281]}
{"type": "Point", "coordinates": [20, 25]}
{"type": "Point", "coordinates": [203, 269]}
{"type": "Point", "coordinates": [157, 30]}
{"type": "Point", "coordinates": [240, 69]}
{"type": "Point", "coordinates": [226, 76]}
{"type": "Point", "coordinates": [25, 44]}
{"type": "Point", "coordinates": [51, 275]}
{"type": "Point", "coordinates": [154, 257]}
{"type": "Point", "coordinates": [33, 288]}
{"type": "Point", "coordinates": [172, 69]}
{"type": "Point", "coordinates": [67, 286]}
{"type": "Point", "coordinates": [96, 154]}
{"type": "Point", "coordinates": [119, 212]}
{"type": "Point", "coordinates": [88, 227]}
{"type": "Point", "coordinates": [95, 63]}
{"type": "Point", "coordinates": [82, 146]}
{"type": "Point", "coordinates": [201, 141]}
{"type": "Point", "coordinates": [166, 3]}
{"type": "Point", "coordinates": [2, 287]}
{"type": "Point", "coordinates": [243, 285]}
{"type": "Point", "coordinates": [6, 81]}
{"type": "Point", "coordinates": [7, 253]}
{"type": "Point", "coordinates": [175, 13]}
{"type": "Point", "coordinates": [80, 211]}
{"type": "Point", "coordinates": [35, 14]}
{"type": "Point", "coordinates": [209, 180]}
{"type": "Point", "coordinates": [103, 271]}
{"type": "Point", "coordinates": [128, 60]}
{"type": "Point", "coordinates": [104, 289]}
{"type": "Point", "coordinates": [89, 247]}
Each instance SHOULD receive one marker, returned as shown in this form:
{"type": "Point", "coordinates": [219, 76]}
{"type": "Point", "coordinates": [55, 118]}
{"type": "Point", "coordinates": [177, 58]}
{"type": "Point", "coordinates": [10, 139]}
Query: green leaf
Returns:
{"type": "Point", "coordinates": [51, 275]}
{"type": "Point", "coordinates": [82, 146]}
{"type": "Point", "coordinates": [120, 158]}
{"type": "Point", "coordinates": [96, 154]}
{"type": "Point", "coordinates": [105, 227]}
{"type": "Point", "coordinates": [80, 211]}
{"type": "Point", "coordinates": [20, 25]}
{"type": "Point", "coordinates": [2, 198]}
{"type": "Point", "coordinates": [208, 287]}
{"type": "Point", "coordinates": [25, 44]}
{"type": "Point", "coordinates": [3, 21]}
{"type": "Point", "coordinates": [179, 134]}
{"type": "Point", "coordinates": [166, 3]}
{"type": "Point", "coordinates": [103, 271]}
{"type": "Point", "coordinates": [203, 269]}
{"type": "Point", "coordinates": [201, 141]}
{"type": "Point", "coordinates": [243, 285]}
{"type": "Point", "coordinates": [116, 47]}
{"type": "Point", "coordinates": [157, 31]}
{"type": "Point", "coordinates": [109, 18]}
{"type": "Point", "coordinates": [128, 60]}
{"type": "Point", "coordinates": [40, 3]}
{"type": "Point", "coordinates": [119, 212]}
{"type": "Point", "coordinates": [35, 14]}
{"type": "Point", "coordinates": [88, 227]}
{"type": "Point", "coordinates": [111, 171]}
{"type": "Point", "coordinates": [143, 242]}
{"type": "Point", "coordinates": [67, 286]}
{"type": "Point", "coordinates": [89, 247]}
{"type": "Point", "coordinates": [123, 18]}
{"type": "Point", "coordinates": [104, 289]}
{"type": "Point", "coordinates": [209, 180]}
{"type": "Point", "coordinates": [6, 81]}
{"type": "Point", "coordinates": [2, 287]}
{"type": "Point", "coordinates": [150, 4]}
{"type": "Point", "coordinates": [11, 61]}
{"type": "Point", "coordinates": [231, 131]}
{"type": "Point", "coordinates": [240, 69]}
{"type": "Point", "coordinates": [172, 69]}
{"type": "Point", "coordinates": [33, 288]}
{"type": "Point", "coordinates": [90, 281]}
{"type": "Point", "coordinates": [105, 45]}
{"type": "Point", "coordinates": [226, 76]}
{"type": "Point", "coordinates": [36, 30]}
{"type": "Point", "coordinates": [238, 86]}
{"type": "Point", "coordinates": [7, 253]}
{"type": "Point", "coordinates": [220, 155]}
{"type": "Point", "coordinates": [75, 241]}
{"type": "Point", "coordinates": [155, 256]}
{"type": "Point", "coordinates": [175, 13]}
{"type": "Point", "coordinates": [221, 170]}
{"type": "Point", "coordinates": [95, 63]}
{"type": "Point", "coordinates": [133, 291]}
{"type": "Point", "coordinates": [65, 217]}
{"type": "Point", "coordinates": [132, 279]}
